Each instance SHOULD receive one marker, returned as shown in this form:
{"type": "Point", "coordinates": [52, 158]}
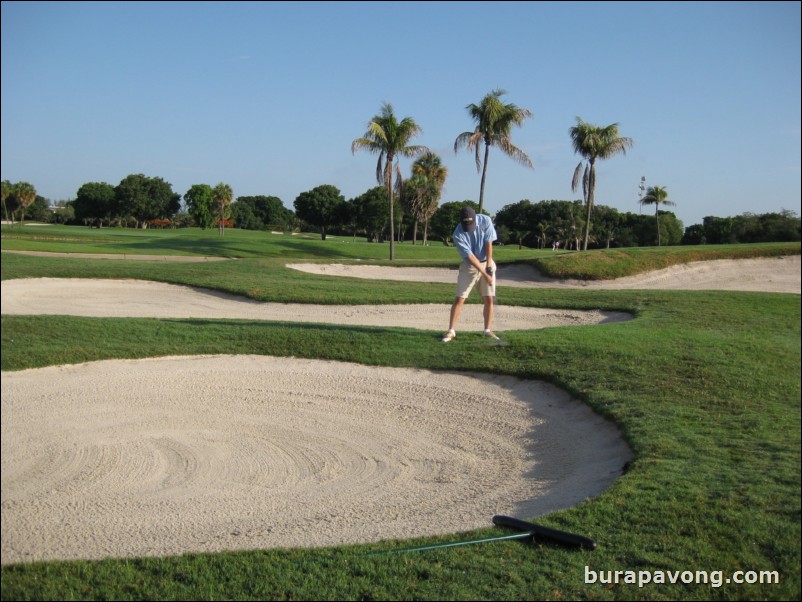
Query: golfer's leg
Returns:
{"type": "Point", "coordinates": [456, 310]}
{"type": "Point", "coordinates": [488, 312]}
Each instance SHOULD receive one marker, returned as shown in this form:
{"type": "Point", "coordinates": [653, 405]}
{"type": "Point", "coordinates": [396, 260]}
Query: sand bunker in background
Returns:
{"type": "Point", "coordinates": [773, 275]}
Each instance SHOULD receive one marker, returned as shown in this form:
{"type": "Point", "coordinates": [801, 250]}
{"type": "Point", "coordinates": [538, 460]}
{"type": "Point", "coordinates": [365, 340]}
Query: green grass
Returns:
{"type": "Point", "coordinates": [705, 387]}
{"type": "Point", "coordinates": [617, 263]}
{"type": "Point", "coordinates": [601, 264]}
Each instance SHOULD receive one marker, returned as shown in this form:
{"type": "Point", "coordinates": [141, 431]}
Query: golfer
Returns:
{"type": "Point", "coordinates": [473, 237]}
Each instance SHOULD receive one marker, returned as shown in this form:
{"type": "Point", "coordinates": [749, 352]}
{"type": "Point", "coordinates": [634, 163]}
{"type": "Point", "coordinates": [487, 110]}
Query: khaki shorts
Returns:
{"type": "Point", "coordinates": [469, 276]}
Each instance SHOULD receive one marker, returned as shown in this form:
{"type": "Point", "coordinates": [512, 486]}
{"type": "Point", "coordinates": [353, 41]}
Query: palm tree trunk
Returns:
{"type": "Point", "coordinates": [591, 187]}
{"type": "Point", "coordinates": [392, 223]}
{"type": "Point", "coordinates": [388, 179]}
{"type": "Point", "coordinates": [484, 177]}
{"type": "Point", "coordinates": [657, 219]}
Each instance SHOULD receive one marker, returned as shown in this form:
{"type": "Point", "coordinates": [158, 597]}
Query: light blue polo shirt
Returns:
{"type": "Point", "coordinates": [473, 243]}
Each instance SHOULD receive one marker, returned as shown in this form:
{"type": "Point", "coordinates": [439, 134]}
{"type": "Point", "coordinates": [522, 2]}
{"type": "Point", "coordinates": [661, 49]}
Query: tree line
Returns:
{"type": "Point", "coordinates": [145, 200]}
{"type": "Point", "coordinates": [536, 225]}
{"type": "Point", "coordinates": [414, 202]}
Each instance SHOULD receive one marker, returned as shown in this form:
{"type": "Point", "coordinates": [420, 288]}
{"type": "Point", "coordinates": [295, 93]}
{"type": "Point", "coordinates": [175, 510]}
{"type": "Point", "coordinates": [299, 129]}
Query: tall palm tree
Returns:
{"type": "Point", "coordinates": [222, 195]}
{"type": "Point", "coordinates": [656, 195]}
{"type": "Point", "coordinates": [494, 121]}
{"type": "Point", "coordinates": [594, 142]}
{"type": "Point", "coordinates": [431, 167]}
{"type": "Point", "coordinates": [389, 138]}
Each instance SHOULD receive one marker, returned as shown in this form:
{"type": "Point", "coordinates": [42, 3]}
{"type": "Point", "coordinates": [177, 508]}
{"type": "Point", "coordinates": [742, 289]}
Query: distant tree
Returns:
{"type": "Point", "coordinates": [268, 210]}
{"type": "Point", "coordinates": [494, 121]}
{"type": "Point", "coordinates": [64, 213]}
{"type": "Point", "coordinates": [541, 232]}
{"type": "Point", "coordinates": [370, 213]}
{"type": "Point", "coordinates": [40, 210]}
{"type": "Point", "coordinates": [656, 195]}
{"type": "Point", "coordinates": [346, 217]}
{"type": "Point", "coordinates": [415, 199]}
{"type": "Point", "coordinates": [94, 201]}
{"type": "Point", "coordinates": [222, 196]}
{"type": "Point", "coordinates": [718, 230]}
{"type": "Point", "coordinates": [517, 219]}
{"type": "Point", "coordinates": [593, 143]}
{"type": "Point", "coordinates": [766, 227]}
{"type": "Point", "coordinates": [694, 235]}
{"type": "Point", "coordinates": [25, 194]}
{"type": "Point", "coordinates": [145, 198]}
{"type": "Point", "coordinates": [389, 138]}
{"type": "Point", "coordinates": [671, 228]}
{"type": "Point", "coordinates": [243, 216]}
{"type": "Point", "coordinates": [781, 227]}
{"type": "Point", "coordinates": [199, 200]}
{"type": "Point", "coordinates": [608, 221]}
{"type": "Point", "coordinates": [7, 191]}
{"type": "Point", "coordinates": [446, 218]}
{"type": "Point", "coordinates": [574, 225]}
{"type": "Point", "coordinates": [429, 166]}
{"type": "Point", "coordinates": [319, 206]}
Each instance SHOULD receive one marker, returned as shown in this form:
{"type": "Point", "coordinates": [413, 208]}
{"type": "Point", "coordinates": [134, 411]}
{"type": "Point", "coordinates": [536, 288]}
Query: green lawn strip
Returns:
{"type": "Point", "coordinates": [593, 265]}
{"type": "Point", "coordinates": [608, 264]}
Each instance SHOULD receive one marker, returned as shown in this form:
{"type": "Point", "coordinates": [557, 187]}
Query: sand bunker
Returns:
{"type": "Point", "coordinates": [145, 299]}
{"type": "Point", "coordinates": [771, 275]}
{"type": "Point", "coordinates": [189, 454]}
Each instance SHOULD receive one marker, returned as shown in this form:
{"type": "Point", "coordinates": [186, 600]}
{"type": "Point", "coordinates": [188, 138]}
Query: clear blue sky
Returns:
{"type": "Point", "coordinates": [267, 97]}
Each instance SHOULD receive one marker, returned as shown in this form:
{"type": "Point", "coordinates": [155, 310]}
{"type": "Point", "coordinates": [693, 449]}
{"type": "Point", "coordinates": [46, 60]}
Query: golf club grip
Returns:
{"type": "Point", "coordinates": [545, 532]}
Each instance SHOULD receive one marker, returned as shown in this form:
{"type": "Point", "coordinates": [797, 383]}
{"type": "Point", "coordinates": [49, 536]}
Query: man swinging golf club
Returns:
{"type": "Point", "coordinates": [473, 237]}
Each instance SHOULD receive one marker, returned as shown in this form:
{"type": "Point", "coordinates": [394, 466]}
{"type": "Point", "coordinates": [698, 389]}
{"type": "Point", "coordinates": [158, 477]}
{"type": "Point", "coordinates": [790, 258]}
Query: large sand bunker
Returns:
{"type": "Point", "coordinates": [173, 455]}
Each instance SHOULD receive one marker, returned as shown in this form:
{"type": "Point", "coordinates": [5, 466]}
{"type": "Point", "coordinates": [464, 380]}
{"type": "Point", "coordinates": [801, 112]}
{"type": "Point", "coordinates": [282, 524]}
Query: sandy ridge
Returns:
{"type": "Point", "coordinates": [774, 274]}
{"type": "Point", "coordinates": [147, 299]}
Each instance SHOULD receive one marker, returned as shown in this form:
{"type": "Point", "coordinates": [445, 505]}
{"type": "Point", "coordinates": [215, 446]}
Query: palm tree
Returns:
{"type": "Point", "coordinates": [656, 195]}
{"type": "Point", "coordinates": [430, 167]}
{"type": "Point", "coordinates": [593, 142]}
{"type": "Point", "coordinates": [222, 195]}
{"type": "Point", "coordinates": [389, 138]}
{"type": "Point", "coordinates": [7, 191]}
{"type": "Point", "coordinates": [416, 197]}
{"type": "Point", "coordinates": [26, 194]}
{"type": "Point", "coordinates": [494, 121]}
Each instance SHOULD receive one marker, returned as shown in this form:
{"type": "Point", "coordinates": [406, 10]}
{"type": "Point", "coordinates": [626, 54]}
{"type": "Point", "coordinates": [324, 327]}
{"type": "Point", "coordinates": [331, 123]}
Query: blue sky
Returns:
{"type": "Point", "coordinates": [267, 97]}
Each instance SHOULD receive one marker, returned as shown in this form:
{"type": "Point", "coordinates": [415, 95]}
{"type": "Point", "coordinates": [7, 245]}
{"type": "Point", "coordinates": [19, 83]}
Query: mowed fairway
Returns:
{"type": "Point", "coordinates": [703, 385]}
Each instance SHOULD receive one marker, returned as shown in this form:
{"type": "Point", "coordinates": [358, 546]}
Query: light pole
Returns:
{"type": "Point", "coordinates": [642, 189]}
